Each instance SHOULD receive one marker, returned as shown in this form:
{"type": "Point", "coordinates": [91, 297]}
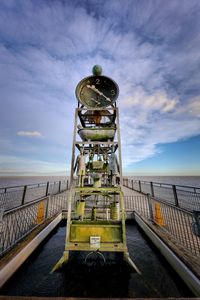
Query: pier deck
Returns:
{"type": "Point", "coordinates": [176, 230]}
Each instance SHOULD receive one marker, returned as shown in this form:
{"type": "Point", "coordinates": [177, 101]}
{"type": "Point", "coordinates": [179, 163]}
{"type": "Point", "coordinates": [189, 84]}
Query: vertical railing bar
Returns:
{"type": "Point", "coordinates": [190, 233]}
{"type": "Point", "coordinates": [150, 207]}
{"type": "Point", "coordinates": [47, 208]}
{"type": "Point", "coordinates": [59, 187]}
{"type": "Point", "coordinates": [24, 195]}
{"type": "Point", "coordinates": [181, 232]}
{"type": "Point", "coordinates": [175, 196]}
{"type": "Point", "coordinates": [196, 239]}
{"type": "Point", "coordinates": [152, 189]}
{"type": "Point", "coordinates": [140, 189]}
{"type": "Point", "coordinates": [47, 189]}
{"type": "Point", "coordinates": [174, 222]}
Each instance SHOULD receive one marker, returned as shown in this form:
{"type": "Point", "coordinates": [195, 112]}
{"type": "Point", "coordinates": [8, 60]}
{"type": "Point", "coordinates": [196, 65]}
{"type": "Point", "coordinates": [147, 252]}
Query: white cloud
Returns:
{"type": "Point", "coordinates": [134, 153]}
{"type": "Point", "coordinates": [50, 47]}
{"type": "Point", "coordinates": [13, 164]}
{"type": "Point", "coordinates": [158, 101]}
{"type": "Point", "coordinates": [150, 120]}
{"type": "Point", "coordinates": [30, 133]}
{"type": "Point", "coordinates": [193, 107]}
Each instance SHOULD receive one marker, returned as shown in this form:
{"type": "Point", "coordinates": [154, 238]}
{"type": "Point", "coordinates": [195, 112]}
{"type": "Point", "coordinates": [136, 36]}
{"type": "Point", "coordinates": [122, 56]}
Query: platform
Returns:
{"type": "Point", "coordinates": [136, 205]}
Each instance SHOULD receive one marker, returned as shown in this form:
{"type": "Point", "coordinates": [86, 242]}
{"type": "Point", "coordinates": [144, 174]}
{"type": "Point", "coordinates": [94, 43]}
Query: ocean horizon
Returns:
{"type": "Point", "coordinates": [8, 181]}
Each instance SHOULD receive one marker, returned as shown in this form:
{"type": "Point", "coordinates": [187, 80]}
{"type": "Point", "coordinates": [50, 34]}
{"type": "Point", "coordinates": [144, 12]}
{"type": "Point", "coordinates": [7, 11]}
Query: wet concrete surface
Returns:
{"type": "Point", "coordinates": [95, 279]}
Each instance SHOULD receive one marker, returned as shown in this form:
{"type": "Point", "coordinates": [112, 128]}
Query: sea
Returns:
{"type": "Point", "coordinates": [11, 181]}
{"type": "Point", "coordinates": [193, 181]}
{"type": "Point", "coordinates": [8, 181]}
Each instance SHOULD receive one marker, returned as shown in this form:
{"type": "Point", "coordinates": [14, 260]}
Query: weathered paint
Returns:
{"type": "Point", "coordinates": [80, 208]}
{"type": "Point", "coordinates": [109, 233]}
{"type": "Point", "coordinates": [94, 134]}
{"type": "Point", "coordinates": [40, 213]}
{"type": "Point", "coordinates": [159, 219]}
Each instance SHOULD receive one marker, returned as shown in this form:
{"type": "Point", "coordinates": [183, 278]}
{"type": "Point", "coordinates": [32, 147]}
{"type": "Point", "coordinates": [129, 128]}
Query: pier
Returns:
{"type": "Point", "coordinates": [94, 209]}
{"type": "Point", "coordinates": [170, 228]}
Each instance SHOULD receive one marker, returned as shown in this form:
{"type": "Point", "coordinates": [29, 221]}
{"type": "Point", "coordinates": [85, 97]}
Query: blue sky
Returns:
{"type": "Point", "coordinates": [150, 48]}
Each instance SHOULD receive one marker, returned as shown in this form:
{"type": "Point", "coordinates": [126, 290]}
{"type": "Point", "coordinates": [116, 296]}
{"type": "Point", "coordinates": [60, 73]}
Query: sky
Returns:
{"type": "Point", "coordinates": [150, 48]}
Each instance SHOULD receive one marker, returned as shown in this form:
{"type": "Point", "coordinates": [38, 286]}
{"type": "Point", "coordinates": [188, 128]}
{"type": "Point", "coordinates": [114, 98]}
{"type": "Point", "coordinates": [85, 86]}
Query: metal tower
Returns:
{"type": "Point", "coordinates": [96, 213]}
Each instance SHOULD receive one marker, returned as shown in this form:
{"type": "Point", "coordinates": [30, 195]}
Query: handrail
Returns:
{"type": "Point", "coordinates": [185, 197]}
{"type": "Point", "coordinates": [16, 196]}
{"type": "Point", "coordinates": [18, 222]}
{"type": "Point", "coordinates": [32, 184]}
{"type": "Point", "coordinates": [163, 183]}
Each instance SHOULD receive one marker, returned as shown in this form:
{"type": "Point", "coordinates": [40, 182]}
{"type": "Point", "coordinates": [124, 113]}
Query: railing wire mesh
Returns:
{"type": "Point", "coordinates": [177, 222]}
{"type": "Point", "coordinates": [17, 223]}
{"type": "Point", "coordinates": [12, 197]}
{"type": "Point", "coordinates": [185, 197]}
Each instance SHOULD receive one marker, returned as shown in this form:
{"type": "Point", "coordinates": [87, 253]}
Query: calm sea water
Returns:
{"type": "Point", "coordinates": [25, 180]}
{"type": "Point", "coordinates": [177, 180]}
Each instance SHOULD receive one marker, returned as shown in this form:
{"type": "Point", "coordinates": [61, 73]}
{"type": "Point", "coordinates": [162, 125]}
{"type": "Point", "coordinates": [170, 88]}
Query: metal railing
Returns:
{"type": "Point", "coordinates": [137, 203]}
{"type": "Point", "coordinates": [185, 197]}
{"type": "Point", "coordinates": [179, 223]}
{"type": "Point", "coordinates": [11, 197]}
{"type": "Point", "coordinates": [17, 223]}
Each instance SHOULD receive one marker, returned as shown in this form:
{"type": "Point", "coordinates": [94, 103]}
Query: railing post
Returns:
{"type": "Point", "coordinates": [47, 189]}
{"type": "Point", "coordinates": [152, 190]}
{"type": "Point", "coordinates": [67, 184]}
{"type": "Point", "coordinates": [1, 227]}
{"type": "Point", "coordinates": [196, 223]}
{"type": "Point", "coordinates": [132, 185]}
{"type": "Point", "coordinates": [140, 189]}
{"type": "Point", "coordinates": [24, 195]}
{"type": "Point", "coordinates": [59, 187]}
{"type": "Point", "coordinates": [47, 208]}
{"type": "Point", "coordinates": [175, 196]}
{"type": "Point", "coordinates": [150, 207]}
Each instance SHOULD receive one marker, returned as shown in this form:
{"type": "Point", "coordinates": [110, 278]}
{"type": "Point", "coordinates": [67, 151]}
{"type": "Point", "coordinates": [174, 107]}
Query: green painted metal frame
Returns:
{"type": "Point", "coordinates": [114, 228]}
{"type": "Point", "coordinates": [78, 246]}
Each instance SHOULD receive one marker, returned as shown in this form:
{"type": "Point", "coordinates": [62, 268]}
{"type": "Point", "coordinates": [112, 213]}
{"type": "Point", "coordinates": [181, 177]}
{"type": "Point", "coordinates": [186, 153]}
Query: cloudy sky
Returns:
{"type": "Point", "coordinates": [150, 48]}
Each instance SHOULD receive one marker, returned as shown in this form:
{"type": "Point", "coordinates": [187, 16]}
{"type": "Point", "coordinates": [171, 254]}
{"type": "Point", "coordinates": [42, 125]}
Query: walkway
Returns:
{"type": "Point", "coordinates": [174, 227]}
